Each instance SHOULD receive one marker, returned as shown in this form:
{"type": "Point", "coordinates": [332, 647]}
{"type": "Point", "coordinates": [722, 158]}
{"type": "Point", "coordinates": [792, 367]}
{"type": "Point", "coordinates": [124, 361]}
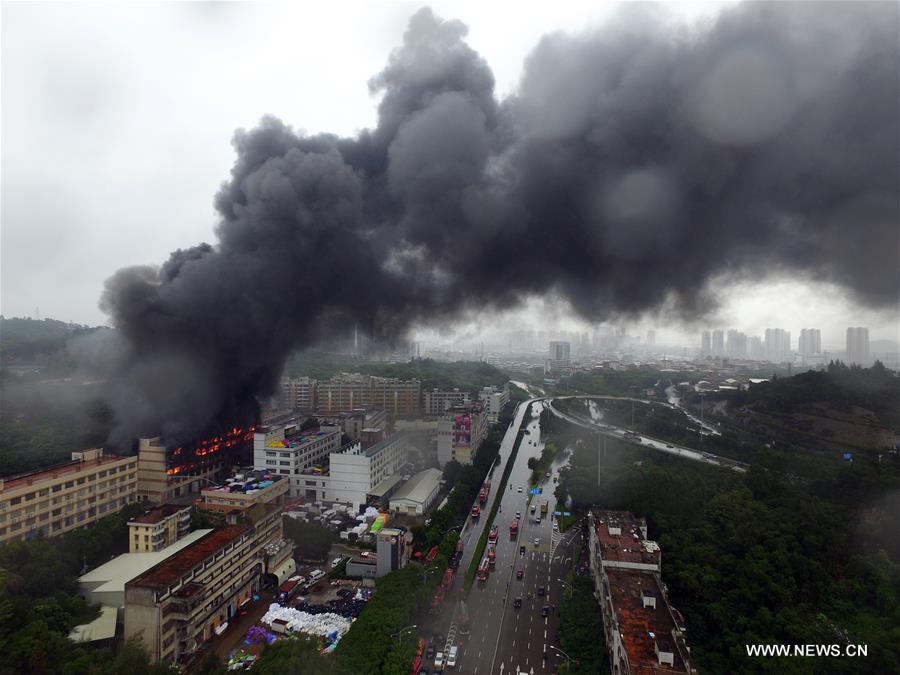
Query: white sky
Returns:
{"type": "Point", "coordinates": [117, 120]}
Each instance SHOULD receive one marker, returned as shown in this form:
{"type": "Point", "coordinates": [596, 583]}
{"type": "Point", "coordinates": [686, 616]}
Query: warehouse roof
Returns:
{"type": "Point", "coordinates": [420, 487]}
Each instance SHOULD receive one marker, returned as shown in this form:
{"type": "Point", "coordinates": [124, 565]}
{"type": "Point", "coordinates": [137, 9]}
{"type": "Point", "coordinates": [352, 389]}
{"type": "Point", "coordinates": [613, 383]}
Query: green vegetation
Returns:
{"type": "Point", "coordinates": [39, 604]}
{"type": "Point", "coordinates": [36, 342]}
{"type": "Point", "coordinates": [312, 541]}
{"type": "Point", "coordinates": [768, 556]}
{"type": "Point", "coordinates": [372, 646]}
{"type": "Point", "coordinates": [466, 375]}
{"type": "Point", "coordinates": [296, 655]}
{"type": "Point", "coordinates": [608, 382]}
{"type": "Point", "coordinates": [581, 629]}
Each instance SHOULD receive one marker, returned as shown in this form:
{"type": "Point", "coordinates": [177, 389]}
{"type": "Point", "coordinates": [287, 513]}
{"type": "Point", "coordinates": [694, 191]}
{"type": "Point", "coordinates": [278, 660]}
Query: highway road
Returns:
{"type": "Point", "coordinates": [646, 441]}
{"type": "Point", "coordinates": [502, 638]}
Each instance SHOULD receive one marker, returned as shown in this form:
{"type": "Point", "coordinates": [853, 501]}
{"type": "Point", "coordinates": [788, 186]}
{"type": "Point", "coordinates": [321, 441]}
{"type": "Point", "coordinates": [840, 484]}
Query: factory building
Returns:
{"type": "Point", "coordinates": [158, 528]}
{"type": "Point", "coordinates": [494, 400]}
{"type": "Point", "coordinates": [437, 402]}
{"type": "Point", "coordinates": [67, 496]}
{"type": "Point", "coordinates": [461, 432]}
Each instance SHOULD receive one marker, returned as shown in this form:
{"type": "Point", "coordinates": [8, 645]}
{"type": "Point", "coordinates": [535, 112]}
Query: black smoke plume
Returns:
{"type": "Point", "coordinates": [631, 167]}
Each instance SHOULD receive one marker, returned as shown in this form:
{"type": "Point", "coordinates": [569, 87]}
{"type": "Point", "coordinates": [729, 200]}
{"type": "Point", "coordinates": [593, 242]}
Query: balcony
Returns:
{"type": "Point", "coordinates": [186, 599]}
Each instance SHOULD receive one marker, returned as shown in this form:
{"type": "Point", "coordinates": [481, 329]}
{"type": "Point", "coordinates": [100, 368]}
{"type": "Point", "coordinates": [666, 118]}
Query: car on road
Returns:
{"type": "Point", "coordinates": [532, 508]}
{"type": "Point", "coordinates": [556, 527]}
{"type": "Point", "coordinates": [520, 574]}
{"type": "Point", "coordinates": [541, 591]}
{"type": "Point", "coordinates": [669, 446]}
{"type": "Point", "coordinates": [547, 475]}
{"type": "Point", "coordinates": [522, 549]}
{"type": "Point", "coordinates": [520, 489]}
{"type": "Point", "coordinates": [518, 514]}
{"type": "Point", "coordinates": [451, 657]}
{"type": "Point", "coordinates": [538, 520]}
{"type": "Point", "coordinates": [517, 603]}
{"type": "Point", "coordinates": [439, 659]}
{"type": "Point", "coordinates": [537, 541]}
{"type": "Point", "coordinates": [545, 610]}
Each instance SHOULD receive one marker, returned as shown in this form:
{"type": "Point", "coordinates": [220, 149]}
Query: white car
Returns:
{"type": "Point", "coordinates": [538, 520]}
{"type": "Point", "coordinates": [537, 541]}
{"type": "Point", "coordinates": [520, 489]}
{"type": "Point", "coordinates": [556, 527]}
{"type": "Point", "coordinates": [439, 660]}
{"type": "Point", "coordinates": [451, 657]}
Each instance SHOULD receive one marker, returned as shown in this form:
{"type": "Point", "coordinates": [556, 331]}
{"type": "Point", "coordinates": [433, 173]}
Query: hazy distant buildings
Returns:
{"type": "Point", "coordinates": [858, 346]}
{"type": "Point", "coordinates": [736, 345]}
{"type": "Point", "coordinates": [651, 338]}
{"type": "Point", "coordinates": [349, 391]}
{"type": "Point", "coordinates": [810, 343]}
{"type": "Point", "coordinates": [778, 345]}
{"type": "Point", "coordinates": [755, 348]}
{"type": "Point", "coordinates": [718, 343]}
{"type": "Point", "coordinates": [560, 357]}
{"type": "Point", "coordinates": [437, 402]}
{"type": "Point", "coordinates": [705, 344]}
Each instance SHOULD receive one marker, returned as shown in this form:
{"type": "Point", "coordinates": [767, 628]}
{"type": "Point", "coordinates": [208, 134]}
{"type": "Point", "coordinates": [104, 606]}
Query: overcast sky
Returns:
{"type": "Point", "coordinates": [117, 121]}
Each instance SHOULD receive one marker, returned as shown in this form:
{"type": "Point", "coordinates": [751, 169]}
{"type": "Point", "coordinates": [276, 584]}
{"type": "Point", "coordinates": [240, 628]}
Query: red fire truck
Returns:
{"type": "Point", "coordinates": [437, 600]}
{"type": "Point", "coordinates": [475, 512]}
{"type": "Point", "coordinates": [514, 529]}
{"type": "Point", "coordinates": [492, 557]}
{"type": "Point", "coordinates": [447, 581]}
{"type": "Point", "coordinates": [484, 569]}
{"type": "Point", "coordinates": [492, 537]}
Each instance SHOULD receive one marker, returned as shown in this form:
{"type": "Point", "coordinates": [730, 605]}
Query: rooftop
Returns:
{"type": "Point", "coordinates": [171, 569]}
{"type": "Point", "coordinates": [296, 439]}
{"type": "Point", "coordinates": [373, 450]}
{"type": "Point", "coordinates": [60, 470]}
{"type": "Point", "coordinates": [158, 513]}
{"type": "Point", "coordinates": [621, 538]}
{"type": "Point", "coordinates": [385, 486]}
{"type": "Point", "coordinates": [643, 628]}
{"type": "Point", "coordinates": [419, 487]}
{"type": "Point", "coordinates": [247, 481]}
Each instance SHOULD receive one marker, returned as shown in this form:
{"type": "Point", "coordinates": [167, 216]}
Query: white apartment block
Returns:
{"type": "Point", "coordinates": [286, 450]}
{"type": "Point", "coordinates": [494, 400]}
{"type": "Point", "coordinates": [437, 402]}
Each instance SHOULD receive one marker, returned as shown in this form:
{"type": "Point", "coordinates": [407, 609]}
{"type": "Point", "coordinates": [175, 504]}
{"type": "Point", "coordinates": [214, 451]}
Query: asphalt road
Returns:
{"type": "Point", "coordinates": [504, 639]}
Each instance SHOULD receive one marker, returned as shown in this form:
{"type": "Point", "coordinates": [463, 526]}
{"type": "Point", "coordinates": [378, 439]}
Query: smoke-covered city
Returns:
{"type": "Point", "coordinates": [295, 300]}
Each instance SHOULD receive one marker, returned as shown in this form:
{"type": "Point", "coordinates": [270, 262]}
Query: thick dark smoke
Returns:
{"type": "Point", "coordinates": [631, 167]}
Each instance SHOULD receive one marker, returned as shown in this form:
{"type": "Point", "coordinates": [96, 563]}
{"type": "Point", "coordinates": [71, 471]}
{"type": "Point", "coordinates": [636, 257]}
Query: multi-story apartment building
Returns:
{"type": "Point", "coordinates": [368, 425]}
{"type": "Point", "coordinates": [736, 344]}
{"type": "Point", "coordinates": [705, 344]}
{"type": "Point", "coordinates": [357, 472]}
{"type": "Point", "coordinates": [858, 346]}
{"type": "Point", "coordinates": [298, 393]}
{"type": "Point", "coordinates": [437, 402]}
{"type": "Point", "coordinates": [348, 391]}
{"type": "Point", "coordinates": [718, 343]}
{"type": "Point", "coordinates": [461, 432]}
{"type": "Point", "coordinates": [644, 632]}
{"type": "Point", "coordinates": [810, 342]}
{"type": "Point", "coordinates": [158, 528]}
{"type": "Point", "coordinates": [67, 496]}
{"type": "Point", "coordinates": [560, 359]}
{"type": "Point", "coordinates": [289, 451]}
{"type": "Point", "coordinates": [247, 487]}
{"type": "Point", "coordinates": [186, 599]}
{"type": "Point", "coordinates": [778, 345]}
{"type": "Point", "coordinates": [494, 400]}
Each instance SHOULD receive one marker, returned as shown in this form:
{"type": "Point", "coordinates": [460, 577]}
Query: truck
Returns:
{"type": "Point", "coordinates": [514, 529]}
{"type": "Point", "coordinates": [492, 557]}
{"type": "Point", "coordinates": [632, 436]}
{"type": "Point", "coordinates": [475, 512]}
{"type": "Point", "coordinates": [437, 600]}
{"type": "Point", "coordinates": [463, 618]}
{"type": "Point", "coordinates": [492, 537]}
{"type": "Point", "coordinates": [485, 491]}
{"type": "Point", "coordinates": [543, 507]}
{"type": "Point", "coordinates": [447, 581]}
{"type": "Point", "coordinates": [484, 569]}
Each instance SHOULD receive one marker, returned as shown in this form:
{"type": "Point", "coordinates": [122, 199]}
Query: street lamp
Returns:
{"type": "Point", "coordinates": [569, 659]}
{"type": "Point", "coordinates": [399, 633]}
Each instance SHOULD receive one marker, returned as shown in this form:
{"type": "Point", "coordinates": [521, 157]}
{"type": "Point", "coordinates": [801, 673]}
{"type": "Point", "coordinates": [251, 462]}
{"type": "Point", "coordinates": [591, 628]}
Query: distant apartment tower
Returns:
{"type": "Point", "coordinates": [718, 343]}
{"type": "Point", "coordinates": [67, 496]}
{"type": "Point", "coordinates": [858, 346]}
{"type": "Point", "coordinates": [437, 402]}
{"type": "Point", "coordinates": [810, 342]}
{"type": "Point", "coordinates": [778, 345]}
{"type": "Point", "coordinates": [736, 344]}
{"type": "Point", "coordinates": [298, 393]}
{"type": "Point", "coordinates": [651, 338]}
{"type": "Point", "coordinates": [755, 348]}
{"type": "Point", "coordinates": [705, 344]}
{"type": "Point", "coordinates": [560, 357]}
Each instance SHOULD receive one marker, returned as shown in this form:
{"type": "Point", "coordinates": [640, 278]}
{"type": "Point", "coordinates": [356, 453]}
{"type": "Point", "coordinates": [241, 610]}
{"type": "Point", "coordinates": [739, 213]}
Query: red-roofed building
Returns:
{"type": "Point", "coordinates": [644, 633]}
{"type": "Point", "coordinates": [183, 601]}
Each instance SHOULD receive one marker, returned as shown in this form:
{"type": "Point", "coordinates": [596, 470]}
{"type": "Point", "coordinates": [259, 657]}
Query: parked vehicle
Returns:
{"type": "Point", "coordinates": [451, 657]}
{"type": "Point", "coordinates": [541, 591]}
{"type": "Point", "coordinates": [439, 660]}
{"type": "Point", "coordinates": [520, 574]}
